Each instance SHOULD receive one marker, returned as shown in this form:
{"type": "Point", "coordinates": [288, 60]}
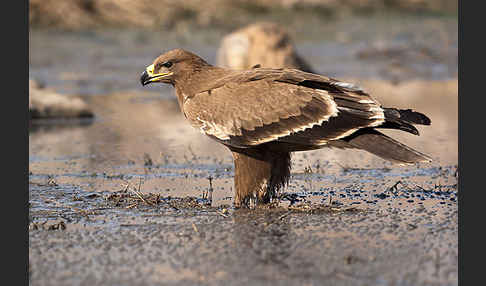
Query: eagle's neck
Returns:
{"type": "Point", "coordinates": [200, 79]}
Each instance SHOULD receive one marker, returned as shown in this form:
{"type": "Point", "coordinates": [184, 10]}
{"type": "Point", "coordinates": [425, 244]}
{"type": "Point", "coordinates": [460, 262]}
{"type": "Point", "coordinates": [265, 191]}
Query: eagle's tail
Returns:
{"type": "Point", "coordinates": [403, 119]}
{"type": "Point", "coordinates": [385, 147]}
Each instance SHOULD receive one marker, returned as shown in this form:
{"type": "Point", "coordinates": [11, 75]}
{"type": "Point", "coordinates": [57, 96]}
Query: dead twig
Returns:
{"type": "Point", "coordinates": [131, 206]}
{"type": "Point", "coordinates": [141, 198]}
{"type": "Point", "coordinates": [284, 215]}
{"type": "Point", "coordinates": [138, 193]}
{"type": "Point", "coordinates": [221, 214]}
{"type": "Point", "coordinates": [195, 228]}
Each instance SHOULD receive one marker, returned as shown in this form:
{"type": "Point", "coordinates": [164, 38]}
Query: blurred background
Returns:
{"type": "Point", "coordinates": [90, 115]}
{"type": "Point", "coordinates": [85, 46]}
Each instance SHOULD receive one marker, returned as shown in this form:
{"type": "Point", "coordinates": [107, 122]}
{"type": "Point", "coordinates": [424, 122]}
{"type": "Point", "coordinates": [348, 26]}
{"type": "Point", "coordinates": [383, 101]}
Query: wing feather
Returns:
{"type": "Point", "coordinates": [261, 105]}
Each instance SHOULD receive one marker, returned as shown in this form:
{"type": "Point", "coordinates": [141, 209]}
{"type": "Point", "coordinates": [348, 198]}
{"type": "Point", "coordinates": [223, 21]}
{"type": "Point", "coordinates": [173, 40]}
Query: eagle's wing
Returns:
{"type": "Point", "coordinates": [261, 106]}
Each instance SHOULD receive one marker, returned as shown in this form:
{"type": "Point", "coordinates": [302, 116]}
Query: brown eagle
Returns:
{"type": "Point", "coordinates": [263, 114]}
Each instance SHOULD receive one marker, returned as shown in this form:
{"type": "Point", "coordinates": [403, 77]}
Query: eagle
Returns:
{"type": "Point", "coordinates": [262, 115]}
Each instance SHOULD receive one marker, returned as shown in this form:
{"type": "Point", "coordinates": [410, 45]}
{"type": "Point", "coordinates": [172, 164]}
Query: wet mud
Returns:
{"type": "Point", "coordinates": [135, 196]}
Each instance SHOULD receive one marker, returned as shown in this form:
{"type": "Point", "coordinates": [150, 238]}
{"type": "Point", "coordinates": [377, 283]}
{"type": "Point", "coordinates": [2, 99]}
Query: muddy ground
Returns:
{"type": "Point", "coordinates": [137, 197]}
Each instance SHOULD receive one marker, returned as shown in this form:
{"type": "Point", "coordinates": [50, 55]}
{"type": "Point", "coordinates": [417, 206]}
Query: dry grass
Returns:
{"type": "Point", "coordinates": [313, 208]}
{"type": "Point", "coordinates": [132, 197]}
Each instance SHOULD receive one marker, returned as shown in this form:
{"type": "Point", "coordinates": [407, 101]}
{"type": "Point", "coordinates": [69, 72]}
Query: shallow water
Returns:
{"type": "Point", "coordinates": [392, 225]}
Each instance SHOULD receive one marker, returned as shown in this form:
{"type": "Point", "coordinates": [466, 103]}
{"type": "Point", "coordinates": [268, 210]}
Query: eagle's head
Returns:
{"type": "Point", "coordinates": [174, 65]}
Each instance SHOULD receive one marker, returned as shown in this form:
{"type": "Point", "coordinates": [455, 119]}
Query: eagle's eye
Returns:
{"type": "Point", "coordinates": [167, 64]}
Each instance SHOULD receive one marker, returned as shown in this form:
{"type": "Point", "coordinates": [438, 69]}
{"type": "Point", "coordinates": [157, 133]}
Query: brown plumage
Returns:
{"type": "Point", "coordinates": [262, 115]}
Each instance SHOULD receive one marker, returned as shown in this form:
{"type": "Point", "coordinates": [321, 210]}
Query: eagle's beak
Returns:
{"type": "Point", "coordinates": [144, 79]}
{"type": "Point", "coordinates": [148, 75]}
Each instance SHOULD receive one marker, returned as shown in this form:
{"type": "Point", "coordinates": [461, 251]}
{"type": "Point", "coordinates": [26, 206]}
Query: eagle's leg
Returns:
{"type": "Point", "coordinates": [259, 174]}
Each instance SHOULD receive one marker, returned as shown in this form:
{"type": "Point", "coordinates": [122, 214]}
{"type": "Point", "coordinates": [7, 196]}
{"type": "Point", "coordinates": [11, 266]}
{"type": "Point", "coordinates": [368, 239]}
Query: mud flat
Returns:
{"type": "Point", "coordinates": [125, 200]}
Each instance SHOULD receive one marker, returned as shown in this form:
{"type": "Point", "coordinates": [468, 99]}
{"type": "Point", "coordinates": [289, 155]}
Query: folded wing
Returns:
{"type": "Point", "coordinates": [289, 106]}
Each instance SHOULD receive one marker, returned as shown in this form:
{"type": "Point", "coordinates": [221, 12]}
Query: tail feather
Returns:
{"type": "Point", "coordinates": [407, 115]}
{"type": "Point", "coordinates": [385, 147]}
{"type": "Point", "coordinates": [403, 119]}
